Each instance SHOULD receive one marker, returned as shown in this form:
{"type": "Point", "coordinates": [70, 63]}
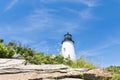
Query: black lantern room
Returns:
{"type": "Point", "coordinates": [68, 37]}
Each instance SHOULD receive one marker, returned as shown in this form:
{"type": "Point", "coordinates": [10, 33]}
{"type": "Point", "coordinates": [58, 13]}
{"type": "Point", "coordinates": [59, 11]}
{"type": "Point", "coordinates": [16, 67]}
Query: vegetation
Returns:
{"type": "Point", "coordinates": [12, 48]}
{"type": "Point", "coordinates": [114, 69]}
{"type": "Point", "coordinates": [81, 62]}
{"type": "Point", "coordinates": [116, 77]}
{"type": "Point", "coordinates": [116, 72]}
{"type": "Point", "coordinates": [6, 52]}
{"type": "Point", "coordinates": [40, 58]}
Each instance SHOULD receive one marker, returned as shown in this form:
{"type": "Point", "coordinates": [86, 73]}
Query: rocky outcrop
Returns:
{"type": "Point", "coordinates": [7, 63]}
{"type": "Point", "coordinates": [97, 74]}
{"type": "Point", "coordinates": [14, 69]}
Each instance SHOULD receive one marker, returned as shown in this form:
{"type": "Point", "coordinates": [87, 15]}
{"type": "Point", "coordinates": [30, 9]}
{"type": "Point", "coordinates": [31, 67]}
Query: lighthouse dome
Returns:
{"type": "Point", "coordinates": [67, 37]}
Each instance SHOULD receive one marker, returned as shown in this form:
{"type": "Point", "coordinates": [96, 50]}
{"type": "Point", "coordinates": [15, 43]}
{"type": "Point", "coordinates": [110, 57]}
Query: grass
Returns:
{"type": "Point", "coordinates": [82, 63]}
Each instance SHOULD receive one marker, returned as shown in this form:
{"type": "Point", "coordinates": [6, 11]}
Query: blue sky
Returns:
{"type": "Point", "coordinates": [41, 24]}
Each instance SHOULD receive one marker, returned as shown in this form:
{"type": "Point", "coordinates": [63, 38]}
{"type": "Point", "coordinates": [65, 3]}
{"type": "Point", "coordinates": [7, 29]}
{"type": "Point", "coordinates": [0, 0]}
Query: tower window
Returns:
{"type": "Point", "coordinates": [64, 49]}
{"type": "Point", "coordinates": [68, 56]}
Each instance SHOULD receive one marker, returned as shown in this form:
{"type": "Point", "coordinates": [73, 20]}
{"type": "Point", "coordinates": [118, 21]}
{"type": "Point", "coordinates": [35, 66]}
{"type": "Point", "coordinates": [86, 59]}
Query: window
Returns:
{"type": "Point", "coordinates": [68, 56]}
{"type": "Point", "coordinates": [64, 49]}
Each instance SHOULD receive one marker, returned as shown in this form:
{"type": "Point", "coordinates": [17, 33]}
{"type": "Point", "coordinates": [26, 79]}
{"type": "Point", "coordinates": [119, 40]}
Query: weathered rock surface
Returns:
{"type": "Point", "coordinates": [15, 69]}
{"type": "Point", "coordinates": [97, 74]}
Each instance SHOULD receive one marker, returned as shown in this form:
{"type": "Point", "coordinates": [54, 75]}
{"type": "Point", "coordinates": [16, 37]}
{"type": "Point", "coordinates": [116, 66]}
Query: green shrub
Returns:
{"type": "Point", "coordinates": [82, 63]}
{"type": "Point", "coordinates": [82, 76]}
{"type": "Point", "coordinates": [6, 52]}
{"type": "Point", "coordinates": [40, 58]}
{"type": "Point", "coordinates": [116, 72]}
{"type": "Point", "coordinates": [114, 69]}
{"type": "Point", "coordinates": [116, 77]}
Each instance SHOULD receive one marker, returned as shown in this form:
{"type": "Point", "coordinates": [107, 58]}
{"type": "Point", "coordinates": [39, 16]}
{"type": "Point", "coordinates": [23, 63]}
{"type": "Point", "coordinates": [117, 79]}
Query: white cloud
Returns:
{"type": "Point", "coordinates": [116, 41]}
{"type": "Point", "coordinates": [11, 5]}
{"type": "Point", "coordinates": [23, 40]}
{"type": "Point", "coordinates": [46, 47]}
{"type": "Point", "coordinates": [11, 33]}
{"type": "Point", "coordinates": [70, 27]}
{"type": "Point", "coordinates": [97, 50]}
{"type": "Point", "coordinates": [89, 3]}
{"type": "Point", "coordinates": [86, 14]}
{"type": "Point", "coordinates": [40, 19]}
{"type": "Point", "coordinates": [98, 53]}
{"type": "Point", "coordinates": [90, 52]}
{"type": "Point", "coordinates": [42, 46]}
{"type": "Point", "coordinates": [45, 19]}
{"type": "Point", "coordinates": [8, 30]}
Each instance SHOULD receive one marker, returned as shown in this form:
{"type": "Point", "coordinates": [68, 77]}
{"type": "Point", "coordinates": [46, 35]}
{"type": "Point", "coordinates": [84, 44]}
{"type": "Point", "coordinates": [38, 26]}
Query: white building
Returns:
{"type": "Point", "coordinates": [68, 47]}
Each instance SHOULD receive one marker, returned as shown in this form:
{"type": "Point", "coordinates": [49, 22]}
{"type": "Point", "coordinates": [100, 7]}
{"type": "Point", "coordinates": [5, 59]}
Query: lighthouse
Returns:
{"type": "Point", "coordinates": [67, 49]}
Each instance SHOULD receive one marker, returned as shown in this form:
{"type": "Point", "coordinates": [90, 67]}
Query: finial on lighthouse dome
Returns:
{"type": "Point", "coordinates": [67, 49]}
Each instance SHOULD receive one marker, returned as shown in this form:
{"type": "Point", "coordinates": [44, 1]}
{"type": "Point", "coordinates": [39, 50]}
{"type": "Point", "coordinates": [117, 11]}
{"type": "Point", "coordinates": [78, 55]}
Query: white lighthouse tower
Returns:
{"type": "Point", "coordinates": [68, 47]}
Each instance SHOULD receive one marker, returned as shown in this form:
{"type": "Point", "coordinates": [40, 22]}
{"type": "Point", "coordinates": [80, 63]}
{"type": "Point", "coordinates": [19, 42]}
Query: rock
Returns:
{"type": "Point", "coordinates": [17, 56]}
{"type": "Point", "coordinates": [9, 63]}
{"type": "Point", "coordinates": [71, 79]}
{"type": "Point", "coordinates": [97, 74]}
{"type": "Point", "coordinates": [15, 69]}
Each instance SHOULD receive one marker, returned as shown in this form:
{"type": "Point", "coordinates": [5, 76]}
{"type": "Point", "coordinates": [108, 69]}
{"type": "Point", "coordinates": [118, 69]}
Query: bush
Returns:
{"type": "Point", "coordinates": [6, 52]}
{"type": "Point", "coordinates": [39, 58]}
{"type": "Point", "coordinates": [116, 77]}
{"type": "Point", "coordinates": [114, 69]}
{"type": "Point", "coordinates": [116, 72]}
{"type": "Point", "coordinates": [82, 63]}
